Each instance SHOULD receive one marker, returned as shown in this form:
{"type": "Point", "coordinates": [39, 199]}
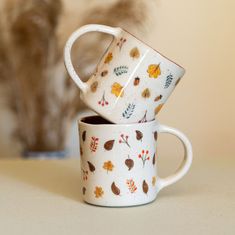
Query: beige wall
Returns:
{"type": "Point", "coordinates": [200, 35]}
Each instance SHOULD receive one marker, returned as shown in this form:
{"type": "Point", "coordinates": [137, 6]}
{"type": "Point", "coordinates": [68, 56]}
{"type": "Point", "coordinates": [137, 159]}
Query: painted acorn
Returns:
{"type": "Point", "coordinates": [129, 163]}
{"type": "Point", "coordinates": [136, 81]}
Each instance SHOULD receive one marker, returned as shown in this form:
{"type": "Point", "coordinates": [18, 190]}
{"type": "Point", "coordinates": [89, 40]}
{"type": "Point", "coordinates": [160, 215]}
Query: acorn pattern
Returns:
{"type": "Point", "coordinates": [145, 158]}
{"type": "Point", "coordinates": [132, 185]}
{"type": "Point", "coordinates": [154, 71]}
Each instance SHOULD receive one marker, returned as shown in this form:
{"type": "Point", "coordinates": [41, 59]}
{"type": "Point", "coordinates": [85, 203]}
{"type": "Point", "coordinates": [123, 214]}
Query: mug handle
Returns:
{"type": "Point", "coordinates": [187, 161]}
{"type": "Point", "coordinates": [74, 36]}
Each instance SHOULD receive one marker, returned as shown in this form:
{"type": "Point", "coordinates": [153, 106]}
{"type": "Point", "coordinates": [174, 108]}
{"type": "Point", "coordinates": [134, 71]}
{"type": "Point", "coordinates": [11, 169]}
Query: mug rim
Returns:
{"type": "Point", "coordinates": [110, 124]}
{"type": "Point", "coordinates": [154, 49]}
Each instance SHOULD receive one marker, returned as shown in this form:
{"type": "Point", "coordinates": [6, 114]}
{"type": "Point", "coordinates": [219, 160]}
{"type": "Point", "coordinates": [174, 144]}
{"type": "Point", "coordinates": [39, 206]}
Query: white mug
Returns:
{"type": "Point", "coordinates": [132, 80]}
{"type": "Point", "coordinates": [119, 161]}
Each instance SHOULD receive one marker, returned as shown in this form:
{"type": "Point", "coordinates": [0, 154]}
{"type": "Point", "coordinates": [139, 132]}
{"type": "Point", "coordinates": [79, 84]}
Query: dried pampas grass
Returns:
{"type": "Point", "coordinates": [40, 94]}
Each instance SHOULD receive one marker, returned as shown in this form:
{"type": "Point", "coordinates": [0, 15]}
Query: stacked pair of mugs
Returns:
{"type": "Point", "coordinates": [118, 148]}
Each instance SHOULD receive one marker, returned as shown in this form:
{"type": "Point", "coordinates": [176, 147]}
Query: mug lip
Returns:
{"type": "Point", "coordinates": [154, 49]}
{"type": "Point", "coordinates": [116, 125]}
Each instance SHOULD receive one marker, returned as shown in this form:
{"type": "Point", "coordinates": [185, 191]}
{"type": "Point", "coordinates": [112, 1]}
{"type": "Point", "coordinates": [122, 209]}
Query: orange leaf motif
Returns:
{"type": "Point", "coordinates": [131, 185]}
{"type": "Point", "coordinates": [98, 192]}
{"type": "Point", "coordinates": [154, 70]}
{"type": "Point", "coordinates": [108, 58]}
{"type": "Point", "coordinates": [154, 180]}
{"type": "Point", "coordinates": [108, 166]}
{"type": "Point", "coordinates": [158, 108]}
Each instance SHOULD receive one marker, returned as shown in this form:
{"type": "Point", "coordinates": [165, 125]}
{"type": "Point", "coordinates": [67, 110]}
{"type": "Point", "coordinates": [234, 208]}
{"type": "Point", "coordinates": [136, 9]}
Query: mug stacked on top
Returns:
{"type": "Point", "coordinates": [129, 87]}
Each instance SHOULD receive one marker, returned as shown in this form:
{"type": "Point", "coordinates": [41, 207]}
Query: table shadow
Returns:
{"type": "Point", "coordinates": [55, 176]}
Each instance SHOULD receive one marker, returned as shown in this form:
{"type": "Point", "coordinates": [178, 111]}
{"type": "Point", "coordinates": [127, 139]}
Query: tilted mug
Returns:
{"type": "Point", "coordinates": [119, 161]}
{"type": "Point", "coordinates": [132, 81]}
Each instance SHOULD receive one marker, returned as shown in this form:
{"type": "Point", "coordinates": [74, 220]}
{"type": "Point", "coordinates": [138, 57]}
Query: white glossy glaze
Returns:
{"type": "Point", "coordinates": [105, 163]}
{"type": "Point", "coordinates": [113, 90]}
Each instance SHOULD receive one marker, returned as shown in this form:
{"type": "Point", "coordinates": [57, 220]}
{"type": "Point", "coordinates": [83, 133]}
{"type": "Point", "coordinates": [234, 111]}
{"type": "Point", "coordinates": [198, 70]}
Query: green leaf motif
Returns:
{"type": "Point", "coordinates": [129, 111]}
{"type": "Point", "coordinates": [169, 79]}
{"type": "Point", "coordinates": [120, 70]}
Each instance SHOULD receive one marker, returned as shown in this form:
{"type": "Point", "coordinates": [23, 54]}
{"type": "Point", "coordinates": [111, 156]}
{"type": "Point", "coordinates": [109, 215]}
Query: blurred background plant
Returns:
{"type": "Point", "coordinates": [37, 95]}
{"type": "Point", "coordinates": [187, 31]}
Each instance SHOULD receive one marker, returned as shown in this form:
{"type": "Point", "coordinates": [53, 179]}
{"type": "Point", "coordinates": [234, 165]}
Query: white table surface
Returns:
{"type": "Point", "coordinates": [43, 197]}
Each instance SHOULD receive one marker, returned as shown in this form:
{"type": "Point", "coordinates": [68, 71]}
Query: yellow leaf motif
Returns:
{"type": "Point", "coordinates": [154, 70]}
{"type": "Point", "coordinates": [146, 93]}
{"type": "Point", "coordinates": [108, 166]}
{"type": "Point", "coordinates": [94, 86]}
{"type": "Point", "coordinates": [108, 58]}
{"type": "Point", "coordinates": [153, 180]}
{"type": "Point", "coordinates": [117, 89]}
{"type": "Point", "coordinates": [98, 192]}
{"type": "Point", "coordinates": [134, 53]}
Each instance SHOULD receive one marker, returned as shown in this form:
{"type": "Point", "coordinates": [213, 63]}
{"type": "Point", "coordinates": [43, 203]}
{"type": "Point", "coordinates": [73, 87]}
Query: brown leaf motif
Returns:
{"type": "Point", "coordinates": [155, 135]}
{"type": "Point", "coordinates": [145, 187]}
{"type": "Point", "coordinates": [146, 93]}
{"type": "Point", "coordinates": [81, 151]}
{"type": "Point", "coordinates": [108, 58]}
{"type": "Point", "coordinates": [94, 86]}
{"type": "Point", "coordinates": [84, 136]}
{"type": "Point", "coordinates": [115, 189]}
{"type": "Point", "coordinates": [91, 166]}
{"type": "Point", "coordinates": [134, 53]}
{"type": "Point", "coordinates": [129, 163]}
{"type": "Point", "coordinates": [83, 190]}
{"type": "Point", "coordinates": [177, 82]}
{"type": "Point", "coordinates": [139, 135]}
{"type": "Point", "coordinates": [109, 145]}
{"type": "Point", "coordinates": [154, 159]}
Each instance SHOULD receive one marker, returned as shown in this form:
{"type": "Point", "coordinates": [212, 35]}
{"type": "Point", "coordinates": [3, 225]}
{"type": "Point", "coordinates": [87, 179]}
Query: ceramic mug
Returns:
{"type": "Point", "coordinates": [118, 161]}
{"type": "Point", "coordinates": [132, 81]}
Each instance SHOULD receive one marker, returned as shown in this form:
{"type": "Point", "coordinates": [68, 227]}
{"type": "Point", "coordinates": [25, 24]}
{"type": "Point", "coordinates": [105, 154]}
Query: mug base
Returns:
{"type": "Point", "coordinates": [120, 206]}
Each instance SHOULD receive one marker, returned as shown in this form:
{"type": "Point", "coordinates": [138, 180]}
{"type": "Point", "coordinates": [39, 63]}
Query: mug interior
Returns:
{"type": "Point", "coordinates": [95, 120]}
